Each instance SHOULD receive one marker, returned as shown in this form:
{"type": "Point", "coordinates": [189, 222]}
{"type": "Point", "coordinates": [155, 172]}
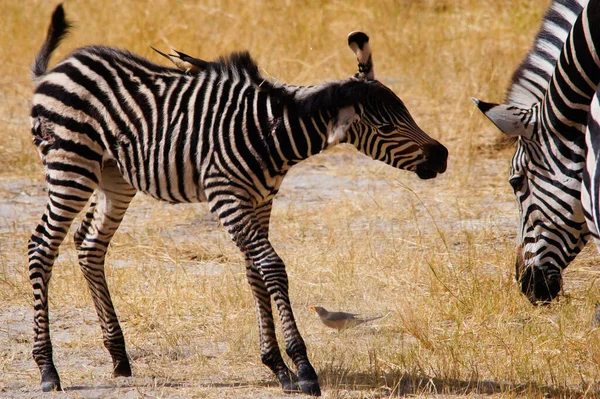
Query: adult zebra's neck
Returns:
{"type": "Point", "coordinates": [576, 77]}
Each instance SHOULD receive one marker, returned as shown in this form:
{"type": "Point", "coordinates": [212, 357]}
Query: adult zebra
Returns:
{"type": "Point", "coordinates": [546, 169]}
{"type": "Point", "coordinates": [108, 123]}
{"type": "Point", "coordinates": [590, 192]}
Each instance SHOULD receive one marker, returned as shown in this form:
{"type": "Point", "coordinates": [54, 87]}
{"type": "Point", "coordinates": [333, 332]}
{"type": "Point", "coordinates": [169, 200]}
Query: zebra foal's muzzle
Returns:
{"type": "Point", "coordinates": [436, 160]}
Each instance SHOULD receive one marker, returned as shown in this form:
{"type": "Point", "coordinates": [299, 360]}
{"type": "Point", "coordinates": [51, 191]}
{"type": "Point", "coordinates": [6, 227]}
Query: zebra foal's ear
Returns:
{"type": "Point", "coordinates": [359, 43]}
{"type": "Point", "coordinates": [511, 120]}
{"type": "Point", "coordinates": [338, 128]}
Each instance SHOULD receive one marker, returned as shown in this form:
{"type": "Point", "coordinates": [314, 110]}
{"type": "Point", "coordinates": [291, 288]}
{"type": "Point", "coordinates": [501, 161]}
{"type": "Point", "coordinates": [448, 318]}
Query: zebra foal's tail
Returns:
{"type": "Point", "coordinates": [59, 27]}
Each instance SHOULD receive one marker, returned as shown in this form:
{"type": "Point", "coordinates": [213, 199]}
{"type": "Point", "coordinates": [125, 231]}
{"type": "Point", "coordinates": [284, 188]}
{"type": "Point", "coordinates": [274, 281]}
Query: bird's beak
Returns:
{"type": "Point", "coordinates": [313, 308]}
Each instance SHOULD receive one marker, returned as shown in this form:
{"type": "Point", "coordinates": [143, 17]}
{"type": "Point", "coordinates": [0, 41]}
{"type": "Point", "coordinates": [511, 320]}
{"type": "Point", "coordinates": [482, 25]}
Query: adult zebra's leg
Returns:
{"type": "Point", "coordinates": [269, 348]}
{"type": "Point", "coordinates": [102, 220]}
{"type": "Point", "coordinates": [239, 217]}
{"type": "Point", "coordinates": [71, 180]}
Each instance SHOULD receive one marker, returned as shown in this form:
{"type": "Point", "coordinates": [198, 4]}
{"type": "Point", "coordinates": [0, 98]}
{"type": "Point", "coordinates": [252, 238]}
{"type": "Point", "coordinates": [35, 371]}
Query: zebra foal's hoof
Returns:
{"type": "Point", "coordinates": [122, 369]}
{"type": "Point", "coordinates": [49, 386]}
{"type": "Point", "coordinates": [50, 380]}
{"type": "Point", "coordinates": [308, 380]}
{"type": "Point", "coordinates": [288, 381]}
{"type": "Point", "coordinates": [290, 387]}
{"type": "Point", "coordinates": [310, 387]}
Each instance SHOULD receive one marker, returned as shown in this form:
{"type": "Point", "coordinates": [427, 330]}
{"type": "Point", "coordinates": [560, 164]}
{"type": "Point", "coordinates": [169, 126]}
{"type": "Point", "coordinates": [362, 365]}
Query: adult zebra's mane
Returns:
{"type": "Point", "coordinates": [530, 80]}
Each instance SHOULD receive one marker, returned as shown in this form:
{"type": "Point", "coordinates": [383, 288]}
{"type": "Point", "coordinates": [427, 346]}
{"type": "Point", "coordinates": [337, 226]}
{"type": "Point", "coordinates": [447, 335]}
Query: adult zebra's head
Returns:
{"type": "Point", "coordinates": [546, 179]}
{"type": "Point", "coordinates": [547, 167]}
{"type": "Point", "coordinates": [384, 129]}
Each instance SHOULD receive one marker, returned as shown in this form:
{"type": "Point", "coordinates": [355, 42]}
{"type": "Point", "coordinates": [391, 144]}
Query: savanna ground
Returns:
{"type": "Point", "coordinates": [435, 256]}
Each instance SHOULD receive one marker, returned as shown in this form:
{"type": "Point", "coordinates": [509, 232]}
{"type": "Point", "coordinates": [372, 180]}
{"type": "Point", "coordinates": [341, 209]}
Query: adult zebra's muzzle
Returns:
{"type": "Point", "coordinates": [539, 283]}
{"type": "Point", "coordinates": [436, 160]}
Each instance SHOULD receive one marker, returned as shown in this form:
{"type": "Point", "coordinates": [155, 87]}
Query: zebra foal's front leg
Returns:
{"type": "Point", "coordinates": [269, 348]}
{"type": "Point", "coordinates": [240, 219]}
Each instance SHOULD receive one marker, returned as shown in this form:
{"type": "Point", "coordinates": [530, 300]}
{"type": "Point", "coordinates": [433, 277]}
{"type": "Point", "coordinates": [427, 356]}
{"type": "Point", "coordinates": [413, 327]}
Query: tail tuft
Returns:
{"type": "Point", "coordinates": [58, 29]}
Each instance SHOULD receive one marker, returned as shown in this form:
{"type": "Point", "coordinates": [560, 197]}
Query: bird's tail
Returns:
{"type": "Point", "coordinates": [59, 27]}
{"type": "Point", "coordinates": [361, 320]}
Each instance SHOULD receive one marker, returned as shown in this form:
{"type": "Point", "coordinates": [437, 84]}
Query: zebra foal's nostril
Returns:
{"type": "Point", "coordinates": [437, 157]}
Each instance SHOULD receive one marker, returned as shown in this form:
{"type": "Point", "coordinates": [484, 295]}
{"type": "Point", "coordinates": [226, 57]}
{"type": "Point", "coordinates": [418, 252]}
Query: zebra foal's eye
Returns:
{"type": "Point", "coordinates": [387, 128]}
{"type": "Point", "coordinates": [516, 182]}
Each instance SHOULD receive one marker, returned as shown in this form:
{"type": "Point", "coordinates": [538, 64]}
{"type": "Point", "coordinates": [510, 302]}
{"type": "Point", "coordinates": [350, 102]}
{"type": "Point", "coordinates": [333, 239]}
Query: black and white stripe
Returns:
{"type": "Point", "coordinates": [530, 80]}
{"type": "Point", "coordinates": [108, 124]}
{"type": "Point", "coordinates": [546, 169]}
{"type": "Point", "coordinates": [590, 192]}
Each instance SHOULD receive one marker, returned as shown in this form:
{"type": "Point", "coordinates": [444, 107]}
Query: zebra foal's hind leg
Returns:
{"type": "Point", "coordinates": [71, 180]}
{"type": "Point", "coordinates": [112, 198]}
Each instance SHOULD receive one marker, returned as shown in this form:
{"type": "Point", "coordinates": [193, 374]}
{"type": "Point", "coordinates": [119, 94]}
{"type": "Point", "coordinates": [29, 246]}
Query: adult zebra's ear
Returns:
{"type": "Point", "coordinates": [510, 119]}
{"type": "Point", "coordinates": [338, 128]}
{"type": "Point", "coordinates": [359, 43]}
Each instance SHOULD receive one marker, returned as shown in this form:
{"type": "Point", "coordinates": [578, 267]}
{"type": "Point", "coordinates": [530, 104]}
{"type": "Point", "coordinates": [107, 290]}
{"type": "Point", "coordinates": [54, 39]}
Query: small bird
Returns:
{"type": "Point", "coordinates": [340, 320]}
{"type": "Point", "coordinates": [184, 62]}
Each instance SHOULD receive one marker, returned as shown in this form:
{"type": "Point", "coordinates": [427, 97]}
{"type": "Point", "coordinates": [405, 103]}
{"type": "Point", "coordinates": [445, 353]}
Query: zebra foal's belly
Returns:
{"type": "Point", "coordinates": [166, 183]}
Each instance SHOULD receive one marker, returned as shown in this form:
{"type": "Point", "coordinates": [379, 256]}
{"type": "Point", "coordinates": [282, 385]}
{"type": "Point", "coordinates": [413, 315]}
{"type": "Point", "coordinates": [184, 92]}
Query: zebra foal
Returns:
{"type": "Point", "coordinates": [108, 123]}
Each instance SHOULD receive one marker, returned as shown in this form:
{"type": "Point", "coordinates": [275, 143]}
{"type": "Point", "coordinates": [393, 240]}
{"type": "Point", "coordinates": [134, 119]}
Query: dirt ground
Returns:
{"type": "Point", "coordinates": [314, 183]}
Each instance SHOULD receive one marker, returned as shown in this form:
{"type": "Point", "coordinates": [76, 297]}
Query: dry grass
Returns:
{"type": "Point", "coordinates": [356, 235]}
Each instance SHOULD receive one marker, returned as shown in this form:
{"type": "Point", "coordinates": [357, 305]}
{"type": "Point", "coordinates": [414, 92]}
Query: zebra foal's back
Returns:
{"type": "Point", "coordinates": [120, 106]}
{"type": "Point", "coordinates": [166, 129]}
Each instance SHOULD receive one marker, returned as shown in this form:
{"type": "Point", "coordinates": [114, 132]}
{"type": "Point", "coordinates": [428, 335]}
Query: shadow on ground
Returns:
{"type": "Point", "coordinates": [176, 384]}
{"type": "Point", "coordinates": [397, 384]}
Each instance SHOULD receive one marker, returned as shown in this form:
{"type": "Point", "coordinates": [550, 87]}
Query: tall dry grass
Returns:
{"type": "Point", "coordinates": [435, 256]}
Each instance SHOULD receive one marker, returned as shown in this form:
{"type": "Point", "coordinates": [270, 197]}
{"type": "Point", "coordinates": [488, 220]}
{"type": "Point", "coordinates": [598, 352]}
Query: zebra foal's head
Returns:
{"type": "Point", "coordinates": [552, 224]}
{"type": "Point", "coordinates": [384, 129]}
{"type": "Point", "coordinates": [364, 112]}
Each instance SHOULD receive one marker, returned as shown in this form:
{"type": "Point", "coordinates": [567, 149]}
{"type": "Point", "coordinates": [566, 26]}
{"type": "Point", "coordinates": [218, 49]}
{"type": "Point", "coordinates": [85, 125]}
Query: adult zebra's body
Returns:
{"type": "Point", "coordinates": [590, 192]}
{"type": "Point", "coordinates": [546, 170]}
{"type": "Point", "coordinates": [108, 123]}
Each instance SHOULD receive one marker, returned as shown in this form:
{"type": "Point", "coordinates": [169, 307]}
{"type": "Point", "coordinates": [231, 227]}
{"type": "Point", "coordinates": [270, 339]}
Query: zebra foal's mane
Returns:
{"type": "Point", "coordinates": [328, 96]}
{"type": "Point", "coordinates": [241, 63]}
